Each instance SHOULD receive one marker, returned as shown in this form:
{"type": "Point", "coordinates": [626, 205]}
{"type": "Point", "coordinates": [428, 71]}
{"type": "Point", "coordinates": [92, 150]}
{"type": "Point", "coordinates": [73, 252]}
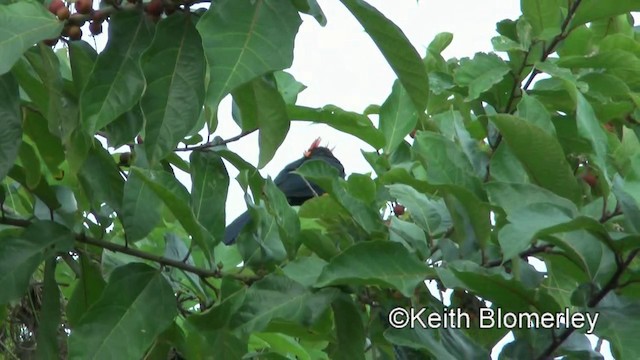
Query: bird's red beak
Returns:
{"type": "Point", "coordinates": [314, 145]}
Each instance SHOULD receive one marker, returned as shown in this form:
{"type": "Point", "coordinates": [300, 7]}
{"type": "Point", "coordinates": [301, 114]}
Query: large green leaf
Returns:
{"type": "Point", "coordinates": [11, 124]}
{"type": "Point", "coordinates": [50, 315]}
{"type": "Point", "coordinates": [284, 215]}
{"type": "Point", "coordinates": [82, 56]}
{"type": "Point", "coordinates": [501, 289]}
{"type": "Point", "coordinates": [349, 329]}
{"type": "Point", "coordinates": [209, 186]}
{"type": "Point", "coordinates": [87, 290]}
{"type": "Point", "coordinates": [480, 73]}
{"type": "Point", "coordinates": [398, 117]}
{"type": "Point", "coordinates": [136, 306]}
{"type": "Point", "coordinates": [545, 17]}
{"type": "Point", "coordinates": [590, 10]}
{"type": "Point", "coordinates": [445, 162]}
{"type": "Point", "coordinates": [101, 179]}
{"type": "Point", "coordinates": [540, 154]}
{"type": "Point", "coordinates": [49, 146]}
{"type": "Point", "coordinates": [21, 254]}
{"type": "Point", "coordinates": [278, 297]}
{"type": "Point", "coordinates": [176, 198]}
{"type": "Point", "coordinates": [396, 48]}
{"type": "Point", "coordinates": [590, 129]}
{"type": "Point", "coordinates": [352, 123]}
{"type": "Point", "coordinates": [244, 39]}
{"type": "Point", "coordinates": [116, 82]}
{"type": "Point", "coordinates": [174, 69]}
{"type": "Point", "coordinates": [262, 106]}
{"type": "Point", "coordinates": [431, 215]}
{"type": "Point", "coordinates": [22, 24]}
{"type": "Point", "coordinates": [361, 265]}
{"type": "Point", "coordinates": [60, 107]}
{"type": "Point", "coordinates": [141, 207]}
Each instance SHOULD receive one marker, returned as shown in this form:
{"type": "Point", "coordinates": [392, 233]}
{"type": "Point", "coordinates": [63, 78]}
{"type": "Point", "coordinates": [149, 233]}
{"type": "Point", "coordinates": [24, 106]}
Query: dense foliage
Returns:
{"type": "Point", "coordinates": [481, 164]}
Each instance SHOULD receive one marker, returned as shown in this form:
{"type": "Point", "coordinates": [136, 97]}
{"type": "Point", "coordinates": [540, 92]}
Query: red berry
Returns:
{"type": "Point", "coordinates": [51, 42]}
{"type": "Point", "coordinates": [95, 27]}
{"type": "Point", "coordinates": [155, 8]}
{"type": "Point", "coordinates": [84, 6]}
{"type": "Point", "coordinates": [74, 32]}
{"type": "Point", "coordinates": [63, 13]}
{"type": "Point", "coordinates": [398, 209]}
{"type": "Point", "coordinates": [590, 179]}
{"type": "Point", "coordinates": [55, 5]}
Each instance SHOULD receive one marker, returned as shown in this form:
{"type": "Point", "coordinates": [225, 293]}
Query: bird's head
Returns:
{"type": "Point", "coordinates": [316, 149]}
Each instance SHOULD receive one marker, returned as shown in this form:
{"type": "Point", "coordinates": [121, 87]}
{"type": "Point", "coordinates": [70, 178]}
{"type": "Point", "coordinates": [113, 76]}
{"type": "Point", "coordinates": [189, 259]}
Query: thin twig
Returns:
{"type": "Point", "coordinates": [211, 144]}
{"type": "Point", "coordinates": [82, 238]}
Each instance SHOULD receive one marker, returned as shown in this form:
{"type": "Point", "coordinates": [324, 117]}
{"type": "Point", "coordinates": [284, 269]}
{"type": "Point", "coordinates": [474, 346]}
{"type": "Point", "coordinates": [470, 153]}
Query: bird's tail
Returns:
{"type": "Point", "coordinates": [233, 229]}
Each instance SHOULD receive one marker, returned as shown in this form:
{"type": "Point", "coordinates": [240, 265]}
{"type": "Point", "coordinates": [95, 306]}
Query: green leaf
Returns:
{"type": "Point", "coordinates": [244, 39]}
{"type": "Point", "coordinates": [20, 255]}
{"type": "Point", "coordinates": [116, 82]}
{"type": "Point", "coordinates": [618, 319]}
{"type": "Point", "coordinates": [87, 291]}
{"type": "Point", "coordinates": [326, 176]}
{"type": "Point", "coordinates": [311, 7]}
{"type": "Point", "coordinates": [262, 106]}
{"type": "Point", "coordinates": [360, 265]}
{"type": "Point", "coordinates": [31, 164]}
{"type": "Point", "coordinates": [305, 270]}
{"type": "Point", "coordinates": [620, 63]}
{"type": "Point", "coordinates": [545, 17]}
{"type": "Point", "coordinates": [176, 198]}
{"type": "Point", "coordinates": [349, 329]}
{"type": "Point", "coordinates": [480, 74]}
{"type": "Point", "coordinates": [60, 107]}
{"type": "Point", "coordinates": [278, 297]}
{"type": "Point", "coordinates": [351, 123]}
{"type": "Point", "coordinates": [101, 179]}
{"type": "Point", "coordinates": [285, 217]}
{"type": "Point", "coordinates": [288, 86]}
{"type": "Point", "coordinates": [590, 129]}
{"type": "Point", "coordinates": [540, 154]}
{"type": "Point", "coordinates": [442, 343]}
{"type": "Point", "coordinates": [503, 290]}
{"type": "Point", "coordinates": [534, 111]}
{"type": "Point", "coordinates": [174, 69]}
{"type": "Point", "coordinates": [136, 306]}
{"type": "Point", "coordinates": [590, 10]}
{"type": "Point", "coordinates": [11, 124]}
{"type": "Point", "coordinates": [49, 316]}
{"type": "Point", "coordinates": [430, 215]}
{"type": "Point", "coordinates": [445, 162]}
{"type": "Point", "coordinates": [49, 146]}
{"type": "Point", "coordinates": [398, 117]}
{"type": "Point", "coordinates": [209, 186]}
{"type": "Point", "coordinates": [141, 207]}
{"type": "Point", "coordinates": [396, 48]}
{"type": "Point", "coordinates": [22, 24]}
{"type": "Point", "coordinates": [82, 57]}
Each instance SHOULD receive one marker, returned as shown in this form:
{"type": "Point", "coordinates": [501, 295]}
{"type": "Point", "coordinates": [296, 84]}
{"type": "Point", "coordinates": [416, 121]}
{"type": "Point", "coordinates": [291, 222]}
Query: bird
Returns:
{"type": "Point", "coordinates": [296, 189]}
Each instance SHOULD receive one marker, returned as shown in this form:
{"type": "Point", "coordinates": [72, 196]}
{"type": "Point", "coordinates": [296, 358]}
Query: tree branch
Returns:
{"type": "Point", "coordinates": [611, 285]}
{"type": "Point", "coordinates": [211, 144]}
{"type": "Point", "coordinates": [82, 238]}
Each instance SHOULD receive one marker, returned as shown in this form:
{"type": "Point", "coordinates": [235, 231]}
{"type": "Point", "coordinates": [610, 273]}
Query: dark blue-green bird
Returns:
{"type": "Point", "coordinates": [295, 188]}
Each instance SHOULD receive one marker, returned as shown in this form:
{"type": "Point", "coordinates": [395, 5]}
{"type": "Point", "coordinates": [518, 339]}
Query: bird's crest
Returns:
{"type": "Point", "coordinates": [315, 144]}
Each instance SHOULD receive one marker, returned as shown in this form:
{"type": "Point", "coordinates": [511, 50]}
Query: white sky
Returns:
{"type": "Point", "coordinates": [341, 65]}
